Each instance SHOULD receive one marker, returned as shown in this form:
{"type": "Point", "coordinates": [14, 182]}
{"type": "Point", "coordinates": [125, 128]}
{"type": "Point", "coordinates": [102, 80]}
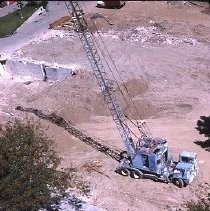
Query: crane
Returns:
{"type": "Point", "coordinates": [148, 155]}
{"type": "Point", "coordinates": [100, 74]}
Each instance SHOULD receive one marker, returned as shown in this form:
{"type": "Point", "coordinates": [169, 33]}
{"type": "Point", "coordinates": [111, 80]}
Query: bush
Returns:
{"type": "Point", "coordinates": [203, 126]}
{"type": "Point", "coordinates": [201, 205]}
{"type": "Point", "coordinates": [38, 3]}
{"type": "Point", "coordinates": [29, 179]}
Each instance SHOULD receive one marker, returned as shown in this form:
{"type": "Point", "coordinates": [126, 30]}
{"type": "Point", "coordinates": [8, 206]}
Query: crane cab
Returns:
{"type": "Point", "coordinates": [151, 156]}
{"type": "Point", "coordinates": [186, 168]}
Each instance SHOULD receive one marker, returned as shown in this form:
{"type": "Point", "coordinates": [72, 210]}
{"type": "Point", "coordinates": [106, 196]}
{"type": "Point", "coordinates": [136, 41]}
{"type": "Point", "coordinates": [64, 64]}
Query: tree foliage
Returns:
{"type": "Point", "coordinates": [203, 126]}
{"type": "Point", "coordinates": [200, 205]}
{"type": "Point", "coordinates": [29, 179]}
{"type": "Point", "coordinates": [39, 3]}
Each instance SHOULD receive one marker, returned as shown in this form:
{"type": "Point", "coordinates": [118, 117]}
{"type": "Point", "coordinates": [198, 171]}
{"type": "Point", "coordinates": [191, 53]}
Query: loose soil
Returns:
{"type": "Point", "coordinates": [162, 56]}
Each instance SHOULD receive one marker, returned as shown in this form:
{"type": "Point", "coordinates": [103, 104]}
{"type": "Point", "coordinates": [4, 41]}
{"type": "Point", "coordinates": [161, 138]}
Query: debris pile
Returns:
{"type": "Point", "coordinates": [62, 23]}
{"type": "Point", "coordinates": [149, 35]}
{"type": "Point", "coordinates": [93, 165]}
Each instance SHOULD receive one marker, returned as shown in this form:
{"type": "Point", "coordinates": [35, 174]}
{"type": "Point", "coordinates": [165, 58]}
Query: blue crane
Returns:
{"type": "Point", "coordinates": [148, 156]}
{"type": "Point", "coordinates": [100, 74]}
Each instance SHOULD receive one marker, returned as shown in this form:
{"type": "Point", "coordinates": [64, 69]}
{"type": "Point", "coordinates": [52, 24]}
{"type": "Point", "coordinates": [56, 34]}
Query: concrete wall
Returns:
{"type": "Point", "coordinates": [16, 68]}
{"type": "Point", "coordinates": [59, 74]}
{"type": "Point", "coordinates": [33, 71]}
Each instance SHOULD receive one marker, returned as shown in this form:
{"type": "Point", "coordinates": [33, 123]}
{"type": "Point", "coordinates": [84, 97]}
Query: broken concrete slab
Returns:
{"type": "Point", "coordinates": [33, 71]}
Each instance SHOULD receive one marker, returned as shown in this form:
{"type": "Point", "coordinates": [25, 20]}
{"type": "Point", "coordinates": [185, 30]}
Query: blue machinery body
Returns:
{"type": "Point", "coordinates": [149, 156]}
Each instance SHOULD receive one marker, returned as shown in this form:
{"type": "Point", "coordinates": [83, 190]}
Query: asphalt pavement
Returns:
{"type": "Point", "coordinates": [8, 9]}
{"type": "Point", "coordinates": [32, 28]}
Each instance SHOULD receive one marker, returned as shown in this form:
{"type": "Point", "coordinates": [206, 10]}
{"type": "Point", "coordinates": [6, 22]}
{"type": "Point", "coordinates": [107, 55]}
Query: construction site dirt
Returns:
{"type": "Point", "coordinates": [162, 55]}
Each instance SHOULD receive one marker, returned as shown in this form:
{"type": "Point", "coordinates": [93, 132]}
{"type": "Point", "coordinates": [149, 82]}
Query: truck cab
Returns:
{"type": "Point", "coordinates": [186, 169]}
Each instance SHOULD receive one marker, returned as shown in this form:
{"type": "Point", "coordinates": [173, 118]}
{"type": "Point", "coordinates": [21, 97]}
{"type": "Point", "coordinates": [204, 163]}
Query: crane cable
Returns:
{"type": "Point", "coordinates": [136, 125]}
{"type": "Point", "coordinates": [134, 106]}
{"type": "Point", "coordinates": [143, 126]}
{"type": "Point", "coordinates": [110, 70]}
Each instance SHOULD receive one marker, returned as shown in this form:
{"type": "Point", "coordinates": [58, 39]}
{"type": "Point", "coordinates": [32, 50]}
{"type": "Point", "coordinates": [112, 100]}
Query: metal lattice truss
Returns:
{"type": "Point", "coordinates": [87, 40]}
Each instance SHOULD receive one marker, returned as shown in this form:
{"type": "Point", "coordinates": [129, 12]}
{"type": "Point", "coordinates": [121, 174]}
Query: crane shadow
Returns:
{"type": "Point", "coordinates": [61, 122]}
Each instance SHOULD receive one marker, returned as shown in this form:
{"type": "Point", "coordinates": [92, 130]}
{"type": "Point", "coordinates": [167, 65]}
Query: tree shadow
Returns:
{"type": "Point", "coordinates": [204, 144]}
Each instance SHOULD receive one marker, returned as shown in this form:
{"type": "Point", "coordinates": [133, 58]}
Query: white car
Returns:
{"type": "Point", "coordinates": [100, 4]}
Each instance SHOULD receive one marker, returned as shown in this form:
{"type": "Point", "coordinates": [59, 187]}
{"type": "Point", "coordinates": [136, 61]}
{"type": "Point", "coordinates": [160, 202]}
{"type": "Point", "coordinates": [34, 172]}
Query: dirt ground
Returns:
{"type": "Point", "coordinates": [162, 54]}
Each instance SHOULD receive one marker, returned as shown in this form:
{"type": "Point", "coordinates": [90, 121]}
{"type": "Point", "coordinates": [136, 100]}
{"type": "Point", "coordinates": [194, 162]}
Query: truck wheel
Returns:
{"type": "Point", "coordinates": [179, 183]}
{"type": "Point", "coordinates": [136, 174]}
{"type": "Point", "coordinates": [123, 155]}
{"type": "Point", "coordinates": [124, 172]}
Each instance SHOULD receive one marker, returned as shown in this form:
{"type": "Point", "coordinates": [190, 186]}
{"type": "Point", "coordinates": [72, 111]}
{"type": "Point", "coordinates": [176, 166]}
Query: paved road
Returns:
{"type": "Point", "coordinates": [35, 27]}
{"type": "Point", "coordinates": [8, 9]}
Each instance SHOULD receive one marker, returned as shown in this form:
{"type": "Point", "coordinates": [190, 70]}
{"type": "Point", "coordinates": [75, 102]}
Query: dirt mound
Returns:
{"type": "Point", "coordinates": [135, 86]}
{"type": "Point", "coordinates": [132, 100]}
{"type": "Point", "coordinates": [129, 96]}
{"type": "Point", "coordinates": [79, 98]}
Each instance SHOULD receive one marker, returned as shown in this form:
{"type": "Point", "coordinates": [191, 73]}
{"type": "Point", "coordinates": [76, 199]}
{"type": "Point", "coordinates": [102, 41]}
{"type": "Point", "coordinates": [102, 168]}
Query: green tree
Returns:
{"type": "Point", "coordinates": [200, 205]}
{"type": "Point", "coordinates": [203, 126]}
{"type": "Point", "coordinates": [29, 179]}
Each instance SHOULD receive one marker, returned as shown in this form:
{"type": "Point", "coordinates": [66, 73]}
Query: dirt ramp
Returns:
{"type": "Point", "coordinates": [134, 109]}
{"type": "Point", "coordinates": [130, 96]}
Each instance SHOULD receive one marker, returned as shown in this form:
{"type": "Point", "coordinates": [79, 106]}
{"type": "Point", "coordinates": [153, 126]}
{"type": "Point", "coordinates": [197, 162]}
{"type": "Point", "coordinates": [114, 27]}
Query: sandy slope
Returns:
{"type": "Point", "coordinates": [162, 53]}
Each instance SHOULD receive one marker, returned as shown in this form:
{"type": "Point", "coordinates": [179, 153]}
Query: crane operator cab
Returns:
{"type": "Point", "coordinates": [151, 157]}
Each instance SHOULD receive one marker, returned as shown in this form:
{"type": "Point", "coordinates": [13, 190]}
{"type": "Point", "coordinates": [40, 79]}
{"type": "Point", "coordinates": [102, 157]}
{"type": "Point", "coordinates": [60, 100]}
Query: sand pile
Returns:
{"type": "Point", "coordinates": [79, 98]}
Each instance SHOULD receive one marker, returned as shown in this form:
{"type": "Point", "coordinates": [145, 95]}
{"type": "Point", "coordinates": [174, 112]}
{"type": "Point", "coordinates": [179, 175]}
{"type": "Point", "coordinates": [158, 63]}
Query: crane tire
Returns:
{"type": "Point", "coordinates": [136, 174]}
{"type": "Point", "coordinates": [178, 182]}
{"type": "Point", "coordinates": [123, 155]}
{"type": "Point", "coordinates": [124, 171]}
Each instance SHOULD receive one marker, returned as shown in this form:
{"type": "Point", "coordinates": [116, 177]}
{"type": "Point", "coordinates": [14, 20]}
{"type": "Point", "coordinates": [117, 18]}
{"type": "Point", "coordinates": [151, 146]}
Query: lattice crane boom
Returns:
{"type": "Point", "coordinates": [99, 71]}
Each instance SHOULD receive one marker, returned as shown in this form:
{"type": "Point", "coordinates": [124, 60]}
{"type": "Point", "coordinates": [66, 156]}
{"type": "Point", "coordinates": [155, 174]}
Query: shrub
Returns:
{"type": "Point", "coordinates": [201, 205]}
{"type": "Point", "coordinates": [29, 179]}
{"type": "Point", "coordinates": [203, 126]}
